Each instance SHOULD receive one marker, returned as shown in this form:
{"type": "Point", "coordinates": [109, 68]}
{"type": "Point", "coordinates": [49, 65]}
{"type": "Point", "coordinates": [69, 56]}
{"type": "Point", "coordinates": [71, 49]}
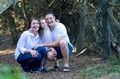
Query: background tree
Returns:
{"type": "Point", "coordinates": [91, 24]}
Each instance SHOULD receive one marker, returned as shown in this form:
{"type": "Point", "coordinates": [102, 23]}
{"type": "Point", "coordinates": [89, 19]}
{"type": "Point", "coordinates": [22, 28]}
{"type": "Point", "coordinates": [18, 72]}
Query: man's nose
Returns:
{"type": "Point", "coordinates": [48, 20]}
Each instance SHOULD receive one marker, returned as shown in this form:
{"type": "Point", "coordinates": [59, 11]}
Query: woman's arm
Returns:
{"type": "Point", "coordinates": [21, 43]}
{"type": "Point", "coordinates": [50, 44]}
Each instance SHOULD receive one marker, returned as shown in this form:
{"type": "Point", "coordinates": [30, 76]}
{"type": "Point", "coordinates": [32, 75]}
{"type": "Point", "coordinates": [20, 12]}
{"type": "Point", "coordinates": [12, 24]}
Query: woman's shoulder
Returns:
{"type": "Point", "coordinates": [25, 32]}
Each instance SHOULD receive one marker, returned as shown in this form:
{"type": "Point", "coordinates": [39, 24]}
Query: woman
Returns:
{"type": "Point", "coordinates": [25, 54]}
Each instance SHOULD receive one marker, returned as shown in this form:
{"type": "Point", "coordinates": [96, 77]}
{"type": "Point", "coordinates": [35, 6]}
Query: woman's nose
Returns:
{"type": "Point", "coordinates": [54, 54]}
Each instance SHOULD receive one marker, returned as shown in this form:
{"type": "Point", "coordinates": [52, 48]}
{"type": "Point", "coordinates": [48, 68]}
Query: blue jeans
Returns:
{"type": "Point", "coordinates": [28, 62]}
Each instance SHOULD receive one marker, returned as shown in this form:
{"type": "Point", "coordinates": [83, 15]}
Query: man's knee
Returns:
{"type": "Point", "coordinates": [62, 44]}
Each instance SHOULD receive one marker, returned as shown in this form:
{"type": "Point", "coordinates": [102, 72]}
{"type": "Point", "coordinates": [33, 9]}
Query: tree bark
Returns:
{"type": "Point", "coordinates": [11, 25]}
{"type": "Point", "coordinates": [105, 30]}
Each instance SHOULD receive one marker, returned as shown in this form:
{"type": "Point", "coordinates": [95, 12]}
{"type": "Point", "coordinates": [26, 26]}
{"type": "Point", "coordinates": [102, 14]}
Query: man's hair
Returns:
{"type": "Point", "coordinates": [49, 12]}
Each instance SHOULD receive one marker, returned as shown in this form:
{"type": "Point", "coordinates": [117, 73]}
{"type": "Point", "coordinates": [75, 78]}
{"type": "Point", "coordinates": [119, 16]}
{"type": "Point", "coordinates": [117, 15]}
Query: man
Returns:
{"type": "Point", "coordinates": [60, 41]}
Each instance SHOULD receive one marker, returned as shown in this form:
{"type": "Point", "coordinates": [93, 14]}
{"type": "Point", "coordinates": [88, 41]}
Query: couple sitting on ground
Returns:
{"type": "Point", "coordinates": [47, 40]}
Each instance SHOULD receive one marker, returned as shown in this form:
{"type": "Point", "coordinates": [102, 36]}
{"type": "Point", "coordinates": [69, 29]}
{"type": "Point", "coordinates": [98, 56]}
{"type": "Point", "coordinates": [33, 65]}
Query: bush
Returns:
{"type": "Point", "coordinates": [7, 72]}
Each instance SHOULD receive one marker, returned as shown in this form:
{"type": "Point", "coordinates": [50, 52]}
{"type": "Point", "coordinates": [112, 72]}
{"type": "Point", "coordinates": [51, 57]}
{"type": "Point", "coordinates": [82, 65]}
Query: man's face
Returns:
{"type": "Point", "coordinates": [50, 20]}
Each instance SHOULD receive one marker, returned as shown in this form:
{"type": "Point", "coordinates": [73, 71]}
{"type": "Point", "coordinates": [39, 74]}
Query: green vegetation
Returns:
{"type": "Point", "coordinates": [110, 69]}
{"type": "Point", "coordinates": [7, 72]}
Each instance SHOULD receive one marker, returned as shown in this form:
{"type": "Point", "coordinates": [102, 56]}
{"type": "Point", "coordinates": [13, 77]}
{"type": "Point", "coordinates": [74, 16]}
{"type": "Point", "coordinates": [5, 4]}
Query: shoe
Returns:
{"type": "Point", "coordinates": [57, 68]}
{"type": "Point", "coordinates": [66, 69]}
{"type": "Point", "coordinates": [45, 70]}
{"type": "Point", "coordinates": [27, 71]}
{"type": "Point", "coordinates": [36, 70]}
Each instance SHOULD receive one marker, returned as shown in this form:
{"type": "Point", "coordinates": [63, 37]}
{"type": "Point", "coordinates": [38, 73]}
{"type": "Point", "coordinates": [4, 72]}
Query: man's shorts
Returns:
{"type": "Point", "coordinates": [58, 50]}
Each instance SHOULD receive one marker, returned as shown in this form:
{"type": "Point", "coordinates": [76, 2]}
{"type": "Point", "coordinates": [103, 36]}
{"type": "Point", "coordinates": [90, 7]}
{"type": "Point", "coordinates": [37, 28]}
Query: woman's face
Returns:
{"type": "Point", "coordinates": [51, 56]}
{"type": "Point", "coordinates": [50, 20]}
{"type": "Point", "coordinates": [43, 23]}
{"type": "Point", "coordinates": [35, 25]}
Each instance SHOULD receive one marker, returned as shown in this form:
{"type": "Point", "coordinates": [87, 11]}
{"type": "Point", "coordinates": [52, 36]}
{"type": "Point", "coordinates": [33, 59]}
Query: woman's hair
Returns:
{"type": "Point", "coordinates": [41, 18]}
{"type": "Point", "coordinates": [40, 31]}
{"type": "Point", "coordinates": [30, 20]}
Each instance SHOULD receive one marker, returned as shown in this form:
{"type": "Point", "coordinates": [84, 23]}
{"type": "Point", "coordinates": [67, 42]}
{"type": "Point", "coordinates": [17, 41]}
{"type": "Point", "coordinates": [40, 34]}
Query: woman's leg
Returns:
{"type": "Point", "coordinates": [42, 52]}
{"type": "Point", "coordinates": [25, 60]}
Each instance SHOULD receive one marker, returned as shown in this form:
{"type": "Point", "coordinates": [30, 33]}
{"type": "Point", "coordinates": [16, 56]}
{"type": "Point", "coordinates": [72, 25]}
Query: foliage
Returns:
{"type": "Point", "coordinates": [4, 4]}
{"type": "Point", "coordinates": [7, 72]}
{"type": "Point", "coordinates": [82, 18]}
{"type": "Point", "coordinates": [101, 70]}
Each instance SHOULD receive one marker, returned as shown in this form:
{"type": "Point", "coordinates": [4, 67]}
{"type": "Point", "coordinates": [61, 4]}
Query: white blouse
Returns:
{"type": "Point", "coordinates": [25, 42]}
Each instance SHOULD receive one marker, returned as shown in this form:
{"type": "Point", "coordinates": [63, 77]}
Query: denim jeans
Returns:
{"type": "Point", "coordinates": [28, 62]}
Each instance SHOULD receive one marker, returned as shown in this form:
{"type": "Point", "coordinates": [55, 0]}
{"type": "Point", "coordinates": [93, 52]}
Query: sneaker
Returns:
{"type": "Point", "coordinates": [36, 70]}
{"type": "Point", "coordinates": [26, 68]}
{"type": "Point", "coordinates": [45, 70]}
{"type": "Point", "coordinates": [57, 68]}
{"type": "Point", "coordinates": [66, 69]}
{"type": "Point", "coordinates": [27, 71]}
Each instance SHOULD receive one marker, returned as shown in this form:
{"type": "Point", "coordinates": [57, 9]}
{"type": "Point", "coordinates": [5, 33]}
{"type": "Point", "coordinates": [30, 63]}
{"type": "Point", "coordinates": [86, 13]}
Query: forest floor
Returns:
{"type": "Point", "coordinates": [76, 64]}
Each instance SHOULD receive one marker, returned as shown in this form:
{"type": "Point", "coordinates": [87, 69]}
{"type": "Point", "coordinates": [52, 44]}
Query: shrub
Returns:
{"type": "Point", "coordinates": [8, 72]}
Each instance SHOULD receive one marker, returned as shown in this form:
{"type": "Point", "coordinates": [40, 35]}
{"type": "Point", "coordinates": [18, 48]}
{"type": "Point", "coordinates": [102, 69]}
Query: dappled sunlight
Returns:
{"type": "Point", "coordinates": [95, 59]}
{"type": "Point", "coordinates": [7, 51]}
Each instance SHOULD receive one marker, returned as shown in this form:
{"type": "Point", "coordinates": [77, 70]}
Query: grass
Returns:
{"type": "Point", "coordinates": [8, 72]}
{"type": "Point", "coordinates": [93, 72]}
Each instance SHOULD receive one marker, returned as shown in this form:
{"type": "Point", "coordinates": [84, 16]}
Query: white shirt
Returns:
{"type": "Point", "coordinates": [46, 37]}
{"type": "Point", "coordinates": [25, 42]}
{"type": "Point", "coordinates": [60, 32]}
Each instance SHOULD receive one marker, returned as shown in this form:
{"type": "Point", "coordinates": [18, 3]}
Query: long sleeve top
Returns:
{"type": "Point", "coordinates": [25, 42]}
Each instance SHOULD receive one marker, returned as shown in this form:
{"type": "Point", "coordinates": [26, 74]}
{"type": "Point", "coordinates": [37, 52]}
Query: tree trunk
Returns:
{"type": "Point", "coordinates": [11, 25]}
{"type": "Point", "coordinates": [105, 30]}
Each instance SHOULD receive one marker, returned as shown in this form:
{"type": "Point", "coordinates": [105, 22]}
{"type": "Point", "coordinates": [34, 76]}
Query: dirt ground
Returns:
{"type": "Point", "coordinates": [76, 63]}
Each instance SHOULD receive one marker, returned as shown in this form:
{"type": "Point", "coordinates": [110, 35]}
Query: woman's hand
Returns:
{"type": "Point", "coordinates": [34, 53]}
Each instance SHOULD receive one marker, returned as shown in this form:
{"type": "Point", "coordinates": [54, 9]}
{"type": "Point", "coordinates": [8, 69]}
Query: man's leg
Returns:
{"type": "Point", "coordinates": [65, 52]}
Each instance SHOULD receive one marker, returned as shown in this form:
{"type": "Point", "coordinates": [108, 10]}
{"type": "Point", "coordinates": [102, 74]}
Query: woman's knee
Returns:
{"type": "Point", "coordinates": [37, 59]}
{"type": "Point", "coordinates": [41, 49]}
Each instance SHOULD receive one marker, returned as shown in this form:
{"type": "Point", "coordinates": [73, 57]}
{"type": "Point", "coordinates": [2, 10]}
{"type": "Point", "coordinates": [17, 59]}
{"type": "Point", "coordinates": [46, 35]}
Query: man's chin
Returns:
{"type": "Point", "coordinates": [50, 25]}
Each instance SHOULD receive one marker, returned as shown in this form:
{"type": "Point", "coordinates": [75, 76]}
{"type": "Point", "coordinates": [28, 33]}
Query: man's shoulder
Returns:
{"type": "Point", "coordinates": [60, 24]}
